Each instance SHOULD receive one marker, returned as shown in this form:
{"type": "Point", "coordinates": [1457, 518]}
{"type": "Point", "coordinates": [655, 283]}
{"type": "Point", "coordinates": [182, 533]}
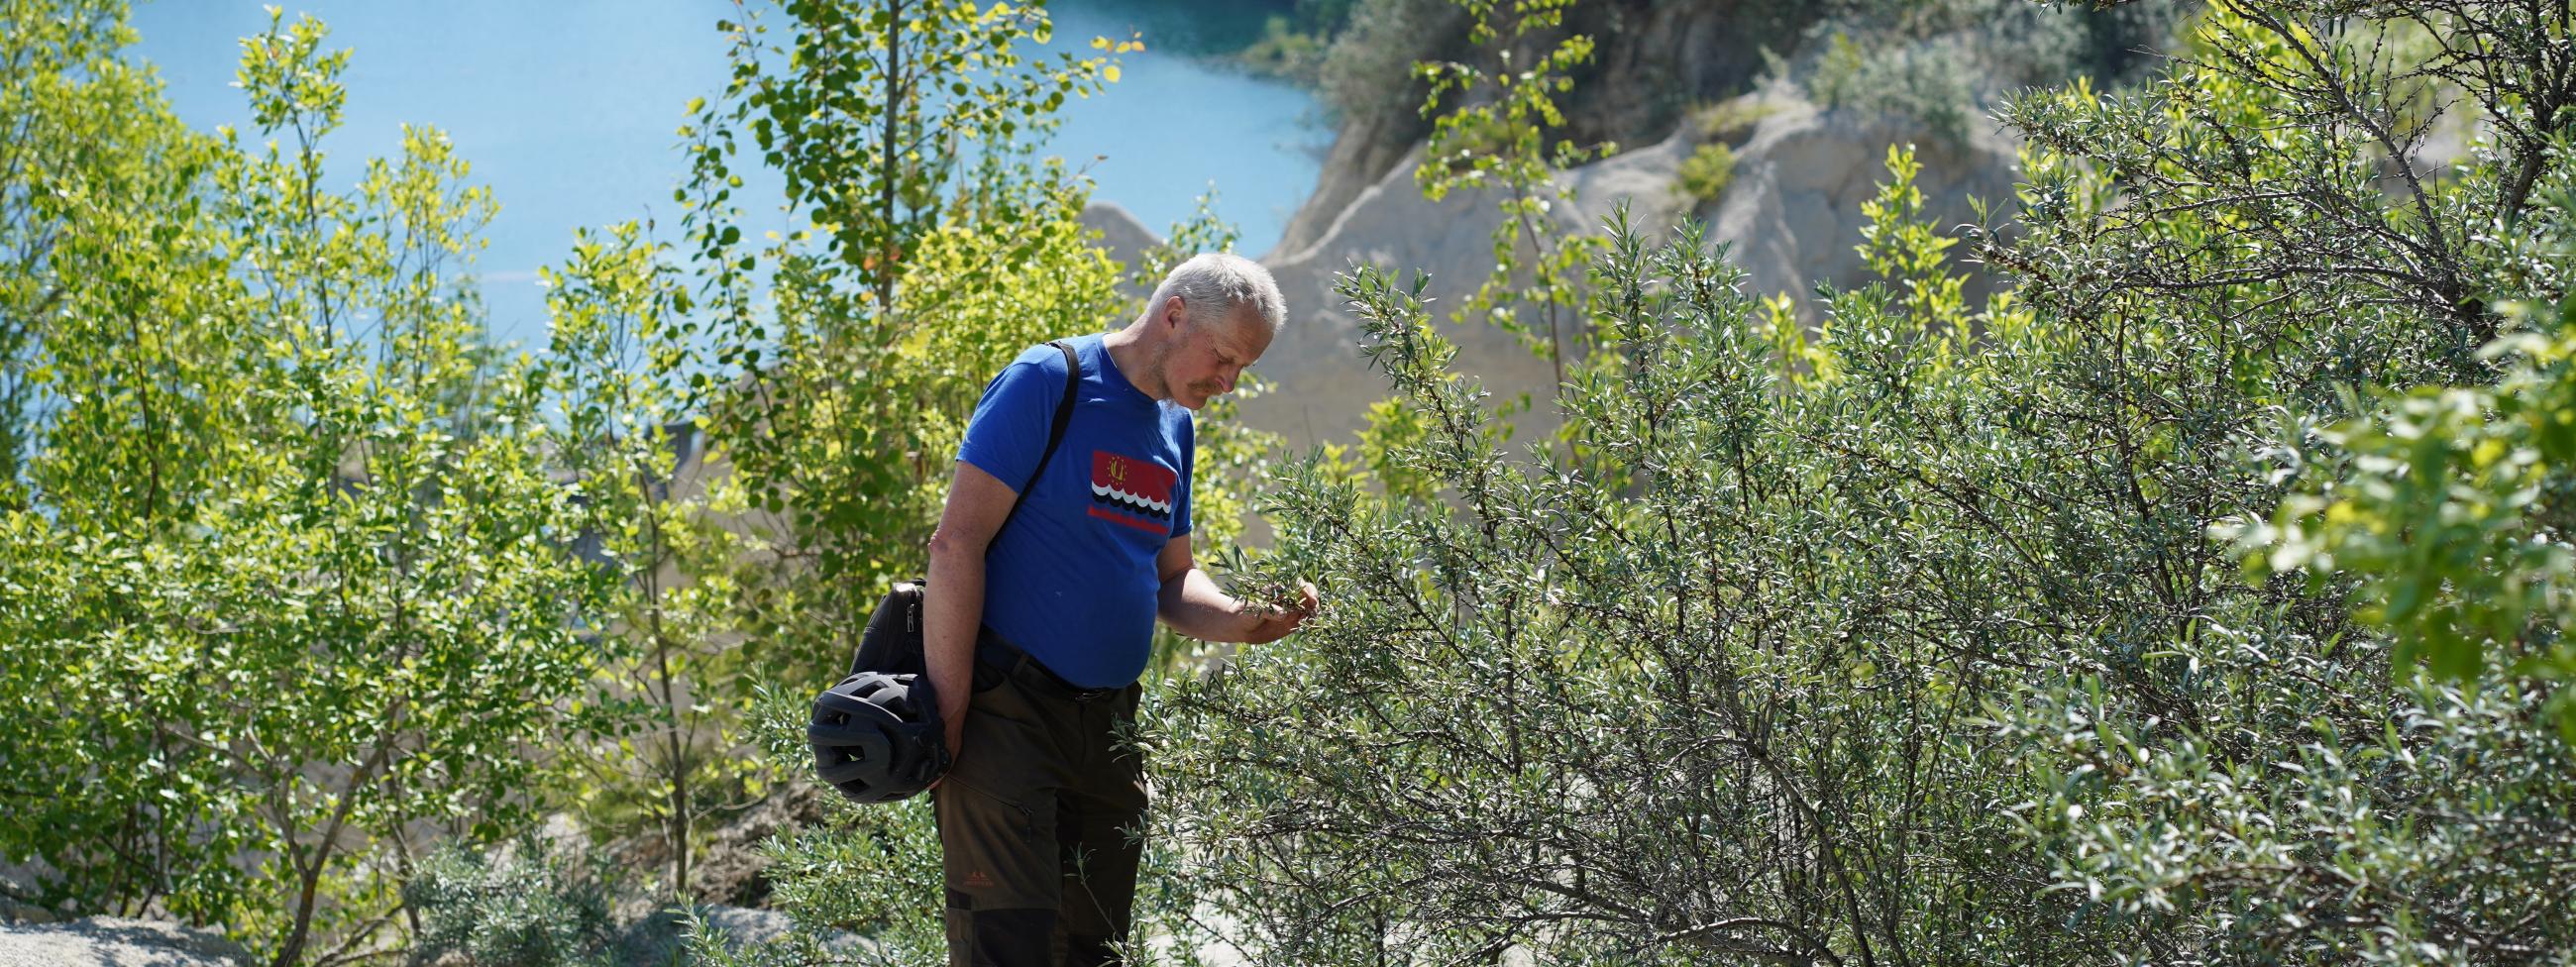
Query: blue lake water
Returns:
{"type": "Point", "coordinates": [567, 109]}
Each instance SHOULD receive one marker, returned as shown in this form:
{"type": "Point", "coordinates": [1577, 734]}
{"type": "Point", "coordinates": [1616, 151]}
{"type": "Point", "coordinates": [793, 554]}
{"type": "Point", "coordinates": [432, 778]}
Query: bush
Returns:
{"type": "Point", "coordinates": [1707, 173]}
{"type": "Point", "coordinates": [530, 905]}
{"type": "Point", "coordinates": [1649, 699]}
{"type": "Point", "coordinates": [1286, 52]}
{"type": "Point", "coordinates": [1905, 638]}
{"type": "Point", "coordinates": [1929, 82]}
{"type": "Point", "coordinates": [1731, 120]}
{"type": "Point", "coordinates": [1372, 59]}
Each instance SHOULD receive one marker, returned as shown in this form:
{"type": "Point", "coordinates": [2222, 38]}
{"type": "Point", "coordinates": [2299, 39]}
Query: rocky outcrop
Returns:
{"type": "Point", "coordinates": [1320, 385]}
{"type": "Point", "coordinates": [1366, 149]}
{"type": "Point", "coordinates": [1121, 234]}
{"type": "Point", "coordinates": [1652, 61]}
{"type": "Point", "coordinates": [112, 942]}
{"type": "Point", "coordinates": [1793, 215]}
{"type": "Point", "coordinates": [735, 871]}
{"type": "Point", "coordinates": [1791, 218]}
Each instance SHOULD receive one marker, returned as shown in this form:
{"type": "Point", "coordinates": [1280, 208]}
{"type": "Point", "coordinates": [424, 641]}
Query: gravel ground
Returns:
{"type": "Point", "coordinates": [107, 942]}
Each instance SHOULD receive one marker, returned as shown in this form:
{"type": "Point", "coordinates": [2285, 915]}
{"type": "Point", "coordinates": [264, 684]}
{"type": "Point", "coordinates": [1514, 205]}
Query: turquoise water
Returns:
{"type": "Point", "coordinates": [567, 109]}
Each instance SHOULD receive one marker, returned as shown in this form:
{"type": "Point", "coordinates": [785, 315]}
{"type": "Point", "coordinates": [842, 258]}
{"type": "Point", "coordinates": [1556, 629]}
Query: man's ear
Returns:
{"type": "Point", "coordinates": [1172, 311]}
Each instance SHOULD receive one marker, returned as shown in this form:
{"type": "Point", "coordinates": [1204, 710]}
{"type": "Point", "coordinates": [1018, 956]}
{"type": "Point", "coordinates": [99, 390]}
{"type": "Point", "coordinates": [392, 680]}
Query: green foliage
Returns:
{"type": "Point", "coordinates": [2008, 43]}
{"type": "Point", "coordinates": [2252, 773]}
{"type": "Point", "coordinates": [2444, 506]}
{"type": "Point", "coordinates": [1942, 62]}
{"type": "Point", "coordinates": [1837, 79]}
{"type": "Point", "coordinates": [283, 527]}
{"type": "Point", "coordinates": [1493, 137]}
{"type": "Point", "coordinates": [1375, 55]}
{"type": "Point", "coordinates": [71, 158]}
{"type": "Point", "coordinates": [1731, 120]}
{"type": "Point", "coordinates": [619, 368]}
{"type": "Point", "coordinates": [1707, 172]}
{"type": "Point", "coordinates": [1903, 638]}
{"type": "Point", "coordinates": [528, 906]}
{"type": "Point", "coordinates": [1295, 46]}
{"type": "Point", "coordinates": [1286, 52]}
{"type": "Point", "coordinates": [933, 251]}
{"type": "Point", "coordinates": [1930, 83]}
{"type": "Point", "coordinates": [1393, 430]}
{"type": "Point", "coordinates": [1668, 715]}
{"type": "Point", "coordinates": [2435, 503]}
{"type": "Point", "coordinates": [2418, 828]}
{"type": "Point", "coordinates": [1899, 246]}
{"type": "Point", "coordinates": [872, 870]}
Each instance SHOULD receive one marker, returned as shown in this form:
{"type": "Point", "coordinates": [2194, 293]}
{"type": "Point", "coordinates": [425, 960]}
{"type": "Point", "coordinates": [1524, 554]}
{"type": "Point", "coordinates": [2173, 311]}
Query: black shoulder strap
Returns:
{"type": "Point", "coordinates": [1055, 433]}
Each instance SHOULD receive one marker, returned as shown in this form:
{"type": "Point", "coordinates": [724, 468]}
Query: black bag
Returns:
{"type": "Point", "coordinates": [892, 642]}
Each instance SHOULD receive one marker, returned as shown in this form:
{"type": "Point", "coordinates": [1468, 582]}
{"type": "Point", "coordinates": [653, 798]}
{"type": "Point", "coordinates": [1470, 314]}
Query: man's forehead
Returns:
{"type": "Point", "coordinates": [1245, 337]}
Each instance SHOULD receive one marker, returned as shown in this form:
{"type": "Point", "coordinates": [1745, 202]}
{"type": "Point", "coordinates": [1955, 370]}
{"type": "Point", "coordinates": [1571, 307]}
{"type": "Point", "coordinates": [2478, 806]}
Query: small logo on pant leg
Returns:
{"type": "Point", "coordinates": [979, 880]}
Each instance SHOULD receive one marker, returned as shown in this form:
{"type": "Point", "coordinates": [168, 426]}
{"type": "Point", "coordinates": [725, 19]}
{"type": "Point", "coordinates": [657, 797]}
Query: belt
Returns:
{"type": "Point", "coordinates": [999, 654]}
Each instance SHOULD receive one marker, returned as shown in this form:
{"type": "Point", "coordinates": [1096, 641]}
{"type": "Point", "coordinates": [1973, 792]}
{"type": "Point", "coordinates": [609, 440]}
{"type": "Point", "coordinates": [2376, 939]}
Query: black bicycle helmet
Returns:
{"type": "Point", "coordinates": [877, 737]}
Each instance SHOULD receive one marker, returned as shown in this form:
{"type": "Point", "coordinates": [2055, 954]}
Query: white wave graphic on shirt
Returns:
{"type": "Point", "coordinates": [1137, 491]}
{"type": "Point", "coordinates": [1159, 508]}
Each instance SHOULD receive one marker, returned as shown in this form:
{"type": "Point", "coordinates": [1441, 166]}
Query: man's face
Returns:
{"type": "Point", "coordinates": [1211, 357]}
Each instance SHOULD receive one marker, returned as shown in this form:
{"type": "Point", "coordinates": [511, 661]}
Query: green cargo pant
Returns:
{"type": "Point", "coordinates": [1040, 821]}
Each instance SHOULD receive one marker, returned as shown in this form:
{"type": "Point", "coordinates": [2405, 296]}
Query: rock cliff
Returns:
{"type": "Point", "coordinates": [1653, 60]}
{"type": "Point", "coordinates": [1790, 218]}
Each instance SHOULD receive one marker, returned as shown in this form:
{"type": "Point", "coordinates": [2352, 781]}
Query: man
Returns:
{"type": "Point", "coordinates": [1035, 634]}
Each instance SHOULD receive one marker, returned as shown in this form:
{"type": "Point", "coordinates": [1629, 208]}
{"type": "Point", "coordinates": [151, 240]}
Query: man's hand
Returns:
{"type": "Point", "coordinates": [1274, 621]}
{"type": "Point", "coordinates": [956, 739]}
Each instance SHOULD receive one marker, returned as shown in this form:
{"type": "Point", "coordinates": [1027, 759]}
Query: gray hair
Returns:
{"type": "Point", "coordinates": [1226, 281]}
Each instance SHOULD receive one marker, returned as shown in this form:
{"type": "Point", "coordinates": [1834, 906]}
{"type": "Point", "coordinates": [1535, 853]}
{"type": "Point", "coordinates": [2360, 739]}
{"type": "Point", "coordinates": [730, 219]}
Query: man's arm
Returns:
{"type": "Point", "coordinates": [954, 607]}
{"type": "Point", "coordinates": [1193, 605]}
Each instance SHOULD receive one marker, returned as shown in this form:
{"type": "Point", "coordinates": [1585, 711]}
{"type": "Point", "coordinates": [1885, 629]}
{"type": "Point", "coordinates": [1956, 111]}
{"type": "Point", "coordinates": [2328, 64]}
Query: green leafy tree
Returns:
{"type": "Point", "coordinates": [99, 394]}
{"type": "Point", "coordinates": [927, 251]}
{"type": "Point", "coordinates": [62, 152]}
{"type": "Point", "coordinates": [1494, 136]}
{"type": "Point", "coordinates": [618, 368]}
{"type": "Point", "coordinates": [290, 585]}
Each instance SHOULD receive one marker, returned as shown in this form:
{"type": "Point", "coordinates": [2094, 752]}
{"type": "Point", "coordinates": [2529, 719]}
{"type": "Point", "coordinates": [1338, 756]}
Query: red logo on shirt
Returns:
{"type": "Point", "coordinates": [1137, 493]}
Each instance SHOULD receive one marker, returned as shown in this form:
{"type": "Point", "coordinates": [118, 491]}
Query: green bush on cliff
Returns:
{"type": "Point", "coordinates": [1932, 84]}
{"type": "Point", "coordinates": [1706, 173]}
{"type": "Point", "coordinates": [1731, 120]}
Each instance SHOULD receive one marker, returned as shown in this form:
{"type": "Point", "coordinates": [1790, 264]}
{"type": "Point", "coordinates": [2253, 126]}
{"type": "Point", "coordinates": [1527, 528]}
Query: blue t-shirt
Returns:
{"type": "Point", "coordinates": [1070, 579]}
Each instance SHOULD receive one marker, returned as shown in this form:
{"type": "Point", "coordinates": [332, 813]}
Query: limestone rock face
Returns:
{"type": "Point", "coordinates": [1321, 385]}
{"type": "Point", "coordinates": [1121, 234]}
{"type": "Point", "coordinates": [1791, 218]}
{"type": "Point", "coordinates": [1653, 60]}
{"type": "Point", "coordinates": [1793, 214]}
{"type": "Point", "coordinates": [1367, 146]}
